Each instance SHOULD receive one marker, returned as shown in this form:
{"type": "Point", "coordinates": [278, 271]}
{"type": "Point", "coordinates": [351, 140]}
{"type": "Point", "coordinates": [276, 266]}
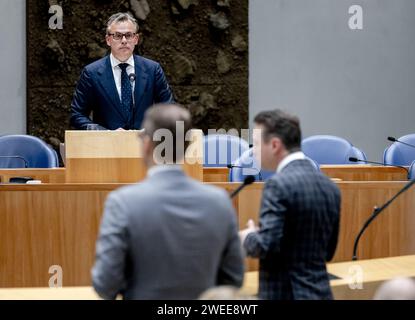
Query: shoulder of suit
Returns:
{"type": "Point", "coordinates": [133, 191]}
{"type": "Point", "coordinates": [96, 65]}
{"type": "Point", "coordinates": [145, 62]}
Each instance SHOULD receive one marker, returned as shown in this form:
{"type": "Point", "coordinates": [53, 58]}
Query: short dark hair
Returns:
{"type": "Point", "coordinates": [278, 123]}
{"type": "Point", "coordinates": [166, 116]}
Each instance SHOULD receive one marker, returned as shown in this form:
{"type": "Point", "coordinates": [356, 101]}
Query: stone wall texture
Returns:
{"type": "Point", "coordinates": [201, 44]}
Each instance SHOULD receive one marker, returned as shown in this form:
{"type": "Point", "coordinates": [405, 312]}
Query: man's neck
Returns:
{"type": "Point", "coordinates": [163, 168]}
{"type": "Point", "coordinates": [288, 157]}
{"type": "Point", "coordinates": [121, 60]}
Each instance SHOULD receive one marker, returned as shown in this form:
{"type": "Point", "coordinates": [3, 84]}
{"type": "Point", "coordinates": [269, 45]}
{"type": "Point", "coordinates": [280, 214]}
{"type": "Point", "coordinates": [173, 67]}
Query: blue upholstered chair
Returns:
{"type": "Point", "coordinates": [400, 154]}
{"type": "Point", "coordinates": [221, 150]}
{"type": "Point", "coordinates": [20, 151]}
{"type": "Point", "coordinates": [359, 154]}
{"type": "Point", "coordinates": [326, 149]}
{"type": "Point", "coordinates": [250, 167]}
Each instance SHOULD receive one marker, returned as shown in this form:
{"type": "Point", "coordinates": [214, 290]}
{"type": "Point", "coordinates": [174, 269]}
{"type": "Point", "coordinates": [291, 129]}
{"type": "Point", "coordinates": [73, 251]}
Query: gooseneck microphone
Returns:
{"type": "Point", "coordinates": [393, 139]}
{"type": "Point", "coordinates": [247, 181]}
{"type": "Point", "coordinates": [353, 159]}
{"type": "Point", "coordinates": [26, 163]}
{"type": "Point", "coordinates": [230, 166]}
{"type": "Point", "coordinates": [132, 78]}
{"type": "Point", "coordinates": [375, 213]}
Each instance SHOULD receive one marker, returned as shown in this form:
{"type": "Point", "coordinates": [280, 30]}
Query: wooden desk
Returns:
{"type": "Point", "coordinates": [216, 174]}
{"type": "Point", "coordinates": [220, 174]}
{"type": "Point", "coordinates": [370, 273]}
{"type": "Point", "coordinates": [373, 273]}
{"type": "Point", "coordinates": [57, 224]}
{"type": "Point", "coordinates": [363, 172]}
{"type": "Point", "coordinates": [53, 175]}
{"type": "Point", "coordinates": [352, 172]}
{"type": "Point", "coordinates": [65, 293]}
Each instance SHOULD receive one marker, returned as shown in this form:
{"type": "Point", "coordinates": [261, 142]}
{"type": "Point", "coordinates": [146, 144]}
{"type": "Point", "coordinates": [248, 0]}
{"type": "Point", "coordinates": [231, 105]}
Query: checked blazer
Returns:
{"type": "Point", "coordinates": [298, 230]}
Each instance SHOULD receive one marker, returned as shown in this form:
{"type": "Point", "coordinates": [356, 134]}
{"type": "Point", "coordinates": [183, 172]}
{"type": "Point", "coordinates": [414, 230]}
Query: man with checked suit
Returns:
{"type": "Point", "coordinates": [299, 216]}
{"type": "Point", "coordinates": [120, 87]}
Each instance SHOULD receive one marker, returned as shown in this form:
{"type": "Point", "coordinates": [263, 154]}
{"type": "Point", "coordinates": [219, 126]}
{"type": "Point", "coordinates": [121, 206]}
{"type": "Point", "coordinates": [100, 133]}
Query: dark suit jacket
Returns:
{"type": "Point", "coordinates": [299, 223]}
{"type": "Point", "coordinates": [168, 237]}
{"type": "Point", "coordinates": [96, 91]}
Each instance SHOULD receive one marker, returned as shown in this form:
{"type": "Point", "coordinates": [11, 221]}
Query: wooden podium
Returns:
{"type": "Point", "coordinates": [116, 157]}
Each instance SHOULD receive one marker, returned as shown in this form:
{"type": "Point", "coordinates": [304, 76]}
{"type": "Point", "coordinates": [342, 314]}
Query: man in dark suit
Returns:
{"type": "Point", "coordinates": [120, 87]}
{"type": "Point", "coordinates": [299, 217]}
{"type": "Point", "coordinates": [169, 236]}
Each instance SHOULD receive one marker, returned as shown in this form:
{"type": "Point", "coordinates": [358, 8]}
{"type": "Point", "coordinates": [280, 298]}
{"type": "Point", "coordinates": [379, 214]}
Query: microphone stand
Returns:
{"type": "Point", "coordinates": [248, 180]}
{"type": "Point", "coordinates": [375, 213]}
{"type": "Point", "coordinates": [230, 166]}
{"type": "Point", "coordinates": [399, 141]}
{"type": "Point", "coordinates": [353, 159]}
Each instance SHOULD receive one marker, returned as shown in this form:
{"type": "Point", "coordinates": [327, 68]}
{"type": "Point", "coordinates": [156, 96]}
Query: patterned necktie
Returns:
{"type": "Point", "coordinates": [126, 91]}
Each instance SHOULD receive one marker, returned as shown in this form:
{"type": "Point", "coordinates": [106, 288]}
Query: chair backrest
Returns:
{"type": "Point", "coordinates": [327, 149]}
{"type": "Point", "coordinates": [222, 149]}
{"type": "Point", "coordinates": [17, 151]}
{"type": "Point", "coordinates": [359, 154]}
{"type": "Point", "coordinates": [411, 173]}
{"type": "Point", "coordinates": [399, 154]}
{"type": "Point", "coordinates": [250, 167]}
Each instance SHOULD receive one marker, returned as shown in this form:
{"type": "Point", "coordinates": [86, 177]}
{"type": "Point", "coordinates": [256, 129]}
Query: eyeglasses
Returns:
{"type": "Point", "coordinates": [118, 36]}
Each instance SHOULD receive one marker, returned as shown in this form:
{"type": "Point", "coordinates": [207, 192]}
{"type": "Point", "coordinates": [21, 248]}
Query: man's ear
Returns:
{"type": "Point", "coordinates": [108, 40]}
{"type": "Point", "coordinates": [276, 144]}
{"type": "Point", "coordinates": [147, 144]}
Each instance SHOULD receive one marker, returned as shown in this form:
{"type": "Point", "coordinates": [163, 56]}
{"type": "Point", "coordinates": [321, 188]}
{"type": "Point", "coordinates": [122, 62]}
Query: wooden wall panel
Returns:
{"type": "Point", "coordinates": [48, 224]}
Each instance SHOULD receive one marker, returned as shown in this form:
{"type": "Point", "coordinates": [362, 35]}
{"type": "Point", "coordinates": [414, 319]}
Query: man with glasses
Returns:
{"type": "Point", "coordinates": [120, 87]}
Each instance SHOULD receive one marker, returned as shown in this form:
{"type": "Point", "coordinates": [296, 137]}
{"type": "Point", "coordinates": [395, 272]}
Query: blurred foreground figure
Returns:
{"type": "Point", "coordinates": [169, 236]}
{"type": "Point", "coordinates": [396, 289]}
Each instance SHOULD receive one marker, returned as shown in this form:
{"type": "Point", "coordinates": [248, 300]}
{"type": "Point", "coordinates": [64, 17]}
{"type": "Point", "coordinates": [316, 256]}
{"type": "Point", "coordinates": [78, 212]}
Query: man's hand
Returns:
{"type": "Point", "coordinates": [251, 227]}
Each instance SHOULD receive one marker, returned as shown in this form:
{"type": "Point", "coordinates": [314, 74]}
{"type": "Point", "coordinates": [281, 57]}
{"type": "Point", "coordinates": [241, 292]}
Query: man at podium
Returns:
{"type": "Point", "coordinates": [120, 87]}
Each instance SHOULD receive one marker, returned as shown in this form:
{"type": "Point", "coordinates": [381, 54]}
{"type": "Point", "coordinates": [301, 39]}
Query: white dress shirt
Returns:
{"type": "Point", "coordinates": [290, 158]}
{"type": "Point", "coordinates": [116, 71]}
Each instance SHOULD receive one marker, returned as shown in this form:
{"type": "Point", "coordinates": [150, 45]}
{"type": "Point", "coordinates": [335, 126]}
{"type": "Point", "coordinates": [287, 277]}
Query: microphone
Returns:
{"type": "Point", "coordinates": [375, 213]}
{"type": "Point", "coordinates": [396, 140]}
{"type": "Point", "coordinates": [26, 164]}
{"type": "Point", "coordinates": [247, 181]}
{"type": "Point", "coordinates": [230, 166]}
{"type": "Point", "coordinates": [132, 78]}
{"type": "Point", "coordinates": [353, 159]}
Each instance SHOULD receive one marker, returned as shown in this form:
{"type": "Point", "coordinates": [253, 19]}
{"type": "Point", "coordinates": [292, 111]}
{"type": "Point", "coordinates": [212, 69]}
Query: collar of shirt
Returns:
{"type": "Point", "coordinates": [115, 62]}
{"type": "Point", "coordinates": [290, 158]}
{"type": "Point", "coordinates": [163, 168]}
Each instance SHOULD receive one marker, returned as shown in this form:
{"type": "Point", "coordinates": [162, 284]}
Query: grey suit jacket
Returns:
{"type": "Point", "coordinates": [299, 224]}
{"type": "Point", "coordinates": [168, 237]}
